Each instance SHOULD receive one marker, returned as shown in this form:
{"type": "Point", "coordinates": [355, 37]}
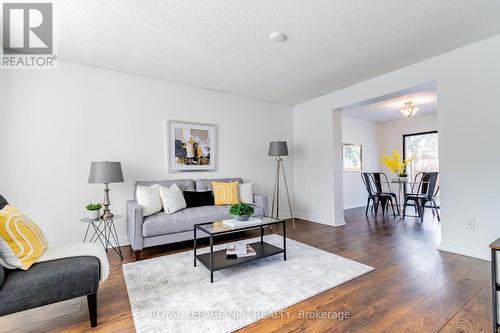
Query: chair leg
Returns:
{"type": "Point", "coordinates": [404, 208]}
{"type": "Point", "coordinates": [397, 204]}
{"type": "Point", "coordinates": [417, 207]}
{"type": "Point", "coordinates": [375, 204]}
{"type": "Point", "coordinates": [367, 206]}
{"type": "Point", "coordinates": [422, 211]}
{"type": "Point", "coordinates": [436, 208]}
{"type": "Point", "coordinates": [392, 206]}
{"type": "Point", "coordinates": [137, 255]}
{"type": "Point", "coordinates": [92, 303]}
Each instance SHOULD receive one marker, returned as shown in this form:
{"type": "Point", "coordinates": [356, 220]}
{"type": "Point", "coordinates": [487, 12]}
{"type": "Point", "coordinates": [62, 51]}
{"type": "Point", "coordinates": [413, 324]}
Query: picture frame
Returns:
{"type": "Point", "coordinates": [191, 146]}
{"type": "Point", "coordinates": [352, 157]}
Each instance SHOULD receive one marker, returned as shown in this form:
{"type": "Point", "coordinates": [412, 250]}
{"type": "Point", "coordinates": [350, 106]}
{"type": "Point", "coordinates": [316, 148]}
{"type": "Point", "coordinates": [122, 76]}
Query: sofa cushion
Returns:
{"type": "Point", "coordinates": [172, 199]}
{"type": "Point", "coordinates": [198, 199]}
{"type": "Point", "coordinates": [49, 282]}
{"type": "Point", "coordinates": [3, 202]}
{"type": "Point", "coordinates": [22, 242]}
{"type": "Point", "coordinates": [184, 184]}
{"type": "Point", "coordinates": [149, 198]}
{"type": "Point", "coordinates": [184, 220]}
{"type": "Point", "coordinates": [206, 184]}
{"type": "Point", "coordinates": [226, 193]}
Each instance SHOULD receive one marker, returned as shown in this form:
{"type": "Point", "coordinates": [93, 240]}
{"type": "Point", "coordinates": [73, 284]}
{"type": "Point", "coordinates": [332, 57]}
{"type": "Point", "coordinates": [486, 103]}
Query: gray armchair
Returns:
{"type": "Point", "coordinates": [50, 282]}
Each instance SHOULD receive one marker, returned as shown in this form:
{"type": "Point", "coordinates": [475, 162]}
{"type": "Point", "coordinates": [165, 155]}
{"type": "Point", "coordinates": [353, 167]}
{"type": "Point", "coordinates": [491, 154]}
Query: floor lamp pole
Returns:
{"type": "Point", "coordinates": [276, 194]}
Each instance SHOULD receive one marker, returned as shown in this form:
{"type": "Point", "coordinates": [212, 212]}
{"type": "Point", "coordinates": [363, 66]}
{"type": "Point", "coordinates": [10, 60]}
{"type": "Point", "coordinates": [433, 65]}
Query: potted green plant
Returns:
{"type": "Point", "coordinates": [241, 211]}
{"type": "Point", "coordinates": [94, 210]}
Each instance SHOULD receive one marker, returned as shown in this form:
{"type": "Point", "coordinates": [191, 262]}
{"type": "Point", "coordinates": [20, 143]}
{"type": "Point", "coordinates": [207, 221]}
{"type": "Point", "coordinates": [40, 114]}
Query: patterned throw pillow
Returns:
{"type": "Point", "coordinates": [226, 193]}
{"type": "Point", "coordinates": [149, 198]}
{"type": "Point", "coordinates": [21, 241]}
{"type": "Point", "coordinates": [246, 193]}
{"type": "Point", "coordinates": [172, 199]}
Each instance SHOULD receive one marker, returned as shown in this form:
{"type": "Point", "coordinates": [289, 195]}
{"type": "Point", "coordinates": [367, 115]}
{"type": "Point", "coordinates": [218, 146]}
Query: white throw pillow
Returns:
{"type": "Point", "coordinates": [246, 193]}
{"type": "Point", "coordinates": [172, 199]}
{"type": "Point", "coordinates": [149, 198]}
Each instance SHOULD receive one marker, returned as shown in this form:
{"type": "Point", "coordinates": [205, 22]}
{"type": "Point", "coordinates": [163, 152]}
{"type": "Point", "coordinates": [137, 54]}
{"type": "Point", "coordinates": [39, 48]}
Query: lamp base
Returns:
{"type": "Point", "coordinates": [106, 212]}
{"type": "Point", "coordinates": [276, 194]}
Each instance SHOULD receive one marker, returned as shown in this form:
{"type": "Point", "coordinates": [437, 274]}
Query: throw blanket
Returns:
{"type": "Point", "coordinates": [78, 250]}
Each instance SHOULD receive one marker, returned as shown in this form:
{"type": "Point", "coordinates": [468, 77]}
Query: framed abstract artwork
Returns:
{"type": "Point", "coordinates": [191, 146]}
{"type": "Point", "coordinates": [352, 157]}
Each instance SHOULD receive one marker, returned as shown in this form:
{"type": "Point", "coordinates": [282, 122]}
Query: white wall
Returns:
{"type": "Point", "coordinates": [59, 121]}
{"type": "Point", "coordinates": [313, 152]}
{"type": "Point", "coordinates": [391, 133]}
{"type": "Point", "coordinates": [365, 133]}
{"type": "Point", "coordinates": [468, 80]}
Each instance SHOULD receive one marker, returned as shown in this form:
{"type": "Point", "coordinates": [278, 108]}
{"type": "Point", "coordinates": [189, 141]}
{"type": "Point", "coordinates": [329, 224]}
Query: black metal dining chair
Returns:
{"type": "Point", "coordinates": [435, 211]}
{"type": "Point", "coordinates": [383, 186]}
{"type": "Point", "coordinates": [424, 193]}
{"type": "Point", "coordinates": [375, 196]}
{"type": "Point", "coordinates": [372, 196]}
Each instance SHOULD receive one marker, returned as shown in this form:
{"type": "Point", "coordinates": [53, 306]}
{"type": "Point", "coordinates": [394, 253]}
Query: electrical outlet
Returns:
{"type": "Point", "coordinates": [470, 224]}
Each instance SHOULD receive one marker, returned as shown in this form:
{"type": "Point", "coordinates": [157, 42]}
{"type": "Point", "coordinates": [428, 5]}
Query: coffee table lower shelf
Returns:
{"type": "Point", "coordinates": [220, 260]}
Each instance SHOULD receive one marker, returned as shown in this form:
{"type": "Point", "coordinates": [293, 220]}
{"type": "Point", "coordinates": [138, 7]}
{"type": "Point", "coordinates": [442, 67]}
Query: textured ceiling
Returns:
{"type": "Point", "coordinates": [387, 109]}
{"type": "Point", "coordinates": [223, 44]}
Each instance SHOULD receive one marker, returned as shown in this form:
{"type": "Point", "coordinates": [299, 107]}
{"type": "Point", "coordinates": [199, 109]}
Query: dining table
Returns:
{"type": "Point", "coordinates": [401, 183]}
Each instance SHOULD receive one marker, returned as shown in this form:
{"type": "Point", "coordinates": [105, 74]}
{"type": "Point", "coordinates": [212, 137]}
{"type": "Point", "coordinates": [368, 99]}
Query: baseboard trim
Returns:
{"type": "Point", "coordinates": [303, 216]}
{"type": "Point", "coordinates": [355, 206]}
{"type": "Point", "coordinates": [286, 216]}
{"type": "Point", "coordinates": [452, 248]}
{"type": "Point", "coordinates": [337, 223]}
{"type": "Point", "coordinates": [124, 241]}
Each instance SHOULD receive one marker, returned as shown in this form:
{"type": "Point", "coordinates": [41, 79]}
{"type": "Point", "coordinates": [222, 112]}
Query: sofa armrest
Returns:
{"type": "Point", "coordinates": [260, 201]}
{"type": "Point", "coordinates": [134, 225]}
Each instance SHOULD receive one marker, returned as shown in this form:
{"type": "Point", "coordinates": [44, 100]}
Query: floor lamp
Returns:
{"type": "Point", "coordinates": [278, 149]}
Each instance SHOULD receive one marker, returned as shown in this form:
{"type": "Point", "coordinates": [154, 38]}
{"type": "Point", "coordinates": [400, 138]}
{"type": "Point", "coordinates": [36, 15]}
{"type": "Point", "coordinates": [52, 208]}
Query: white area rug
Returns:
{"type": "Point", "coordinates": [168, 294]}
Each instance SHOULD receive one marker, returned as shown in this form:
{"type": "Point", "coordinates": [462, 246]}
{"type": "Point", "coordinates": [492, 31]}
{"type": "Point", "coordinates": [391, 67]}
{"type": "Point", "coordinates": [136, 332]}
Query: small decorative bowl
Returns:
{"type": "Point", "coordinates": [241, 217]}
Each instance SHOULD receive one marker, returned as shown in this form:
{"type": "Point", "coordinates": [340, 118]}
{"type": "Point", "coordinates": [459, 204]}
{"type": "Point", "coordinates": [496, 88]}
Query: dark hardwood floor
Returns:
{"type": "Point", "coordinates": [414, 287]}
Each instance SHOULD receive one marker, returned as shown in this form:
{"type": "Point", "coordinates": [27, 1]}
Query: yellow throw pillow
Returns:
{"type": "Point", "coordinates": [21, 241]}
{"type": "Point", "coordinates": [226, 193]}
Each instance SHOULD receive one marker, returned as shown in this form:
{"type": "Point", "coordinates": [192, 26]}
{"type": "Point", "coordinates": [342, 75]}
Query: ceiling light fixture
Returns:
{"type": "Point", "coordinates": [409, 110]}
{"type": "Point", "coordinates": [277, 37]}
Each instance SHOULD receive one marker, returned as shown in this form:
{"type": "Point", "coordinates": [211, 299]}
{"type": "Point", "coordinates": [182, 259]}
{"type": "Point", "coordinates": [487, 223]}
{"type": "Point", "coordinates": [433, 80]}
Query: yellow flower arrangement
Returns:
{"type": "Point", "coordinates": [395, 163]}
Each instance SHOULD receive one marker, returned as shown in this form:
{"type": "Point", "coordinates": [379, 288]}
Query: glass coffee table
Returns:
{"type": "Point", "coordinates": [217, 260]}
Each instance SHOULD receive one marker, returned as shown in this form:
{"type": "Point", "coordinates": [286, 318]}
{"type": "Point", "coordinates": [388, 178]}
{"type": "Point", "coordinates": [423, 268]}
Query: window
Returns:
{"type": "Point", "coordinates": [352, 157]}
{"type": "Point", "coordinates": [426, 149]}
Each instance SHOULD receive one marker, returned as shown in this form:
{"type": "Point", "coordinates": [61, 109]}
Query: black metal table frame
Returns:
{"type": "Point", "coordinates": [229, 231]}
{"type": "Point", "coordinates": [104, 230]}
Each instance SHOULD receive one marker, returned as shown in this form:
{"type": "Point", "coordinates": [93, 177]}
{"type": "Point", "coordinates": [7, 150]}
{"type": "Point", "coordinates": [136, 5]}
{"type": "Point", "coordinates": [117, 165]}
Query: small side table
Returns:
{"type": "Point", "coordinates": [495, 286]}
{"type": "Point", "coordinates": [104, 232]}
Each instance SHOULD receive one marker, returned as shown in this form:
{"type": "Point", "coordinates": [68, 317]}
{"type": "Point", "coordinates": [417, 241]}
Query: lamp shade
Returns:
{"type": "Point", "coordinates": [278, 148]}
{"type": "Point", "coordinates": [105, 172]}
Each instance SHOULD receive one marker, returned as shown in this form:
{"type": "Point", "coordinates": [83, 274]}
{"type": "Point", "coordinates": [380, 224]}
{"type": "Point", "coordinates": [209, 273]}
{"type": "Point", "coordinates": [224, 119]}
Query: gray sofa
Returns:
{"type": "Point", "coordinates": [162, 228]}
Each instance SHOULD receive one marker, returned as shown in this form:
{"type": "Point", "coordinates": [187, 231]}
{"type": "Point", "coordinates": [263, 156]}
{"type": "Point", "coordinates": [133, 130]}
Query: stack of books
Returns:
{"type": "Point", "coordinates": [239, 250]}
